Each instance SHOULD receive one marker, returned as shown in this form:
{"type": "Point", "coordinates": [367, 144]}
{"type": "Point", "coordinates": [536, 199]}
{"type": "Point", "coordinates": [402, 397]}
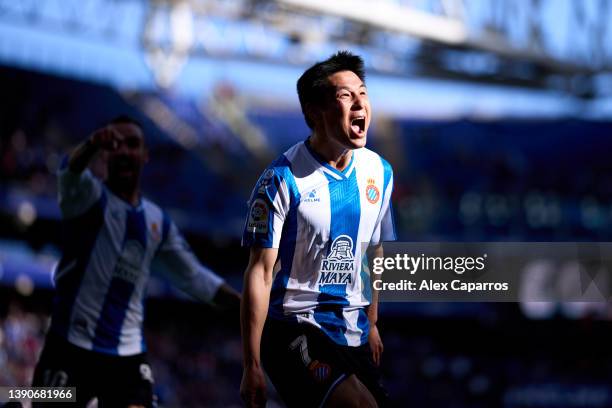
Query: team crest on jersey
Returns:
{"type": "Point", "coordinates": [258, 217]}
{"type": "Point", "coordinates": [339, 265]}
{"type": "Point", "coordinates": [371, 192]}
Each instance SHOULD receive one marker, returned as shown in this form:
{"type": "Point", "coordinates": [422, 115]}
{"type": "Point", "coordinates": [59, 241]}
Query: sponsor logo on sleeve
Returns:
{"type": "Point", "coordinates": [258, 217]}
{"type": "Point", "coordinates": [265, 181]}
{"type": "Point", "coordinates": [268, 174]}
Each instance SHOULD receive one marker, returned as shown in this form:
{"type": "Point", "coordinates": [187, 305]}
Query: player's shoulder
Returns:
{"type": "Point", "coordinates": [157, 218]}
{"type": "Point", "coordinates": [370, 157]}
{"type": "Point", "coordinates": [149, 205]}
{"type": "Point", "coordinates": [283, 165]}
{"type": "Point", "coordinates": [153, 211]}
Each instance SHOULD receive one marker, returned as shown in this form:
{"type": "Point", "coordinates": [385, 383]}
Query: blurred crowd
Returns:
{"type": "Point", "coordinates": [456, 180]}
{"type": "Point", "coordinates": [192, 366]}
{"type": "Point", "coordinates": [21, 338]}
{"type": "Point", "coordinates": [435, 362]}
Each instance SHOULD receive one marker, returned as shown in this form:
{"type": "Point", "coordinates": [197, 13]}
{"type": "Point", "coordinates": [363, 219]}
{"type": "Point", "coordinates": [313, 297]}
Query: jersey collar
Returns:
{"type": "Point", "coordinates": [127, 205]}
{"type": "Point", "coordinates": [326, 168]}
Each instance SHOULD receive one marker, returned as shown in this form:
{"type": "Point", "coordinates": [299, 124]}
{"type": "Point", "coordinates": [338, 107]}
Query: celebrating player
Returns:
{"type": "Point", "coordinates": [305, 312]}
{"type": "Point", "coordinates": [95, 342]}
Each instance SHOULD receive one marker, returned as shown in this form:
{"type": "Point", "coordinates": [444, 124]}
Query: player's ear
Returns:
{"type": "Point", "coordinates": [313, 113]}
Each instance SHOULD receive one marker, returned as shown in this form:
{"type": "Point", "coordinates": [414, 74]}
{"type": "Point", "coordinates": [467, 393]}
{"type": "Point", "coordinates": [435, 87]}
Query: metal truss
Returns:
{"type": "Point", "coordinates": [544, 44]}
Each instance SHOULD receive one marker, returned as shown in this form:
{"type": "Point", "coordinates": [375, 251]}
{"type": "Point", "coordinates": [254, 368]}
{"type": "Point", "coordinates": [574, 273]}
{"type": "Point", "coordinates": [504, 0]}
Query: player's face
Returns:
{"type": "Point", "coordinates": [126, 161]}
{"type": "Point", "coordinates": [346, 115]}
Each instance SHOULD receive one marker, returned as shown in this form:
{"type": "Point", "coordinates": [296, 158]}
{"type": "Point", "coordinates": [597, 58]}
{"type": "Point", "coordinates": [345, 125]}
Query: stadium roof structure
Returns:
{"type": "Point", "coordinates": [559, 45]}
{"type": "Point", "coordinates": [536, 43]}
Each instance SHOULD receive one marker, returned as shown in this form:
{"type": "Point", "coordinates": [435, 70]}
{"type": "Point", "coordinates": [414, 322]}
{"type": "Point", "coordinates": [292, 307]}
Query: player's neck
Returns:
{"type": "Point", "coordinates": [334, 154]}
{"type": "Point", "coordinates": [128, 193]}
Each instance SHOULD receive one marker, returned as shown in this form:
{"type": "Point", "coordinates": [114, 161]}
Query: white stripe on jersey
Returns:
{"type": "Point", "coordinates": [319, 218]}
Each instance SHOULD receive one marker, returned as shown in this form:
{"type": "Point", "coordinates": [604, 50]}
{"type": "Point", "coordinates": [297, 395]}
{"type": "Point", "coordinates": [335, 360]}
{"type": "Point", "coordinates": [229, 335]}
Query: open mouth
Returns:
{"type": "Point", "coordinates": [123, 167]}
{"type": "Point", "coordinates": [358, 124]}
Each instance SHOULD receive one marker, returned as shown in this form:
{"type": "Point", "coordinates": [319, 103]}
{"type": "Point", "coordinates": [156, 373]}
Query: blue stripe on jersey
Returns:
{"type": "Point", "coordinates": [143, 343]}
{"type": "Point", "coordinates": [387, 172]}
{"type": "Point", "coordinates": [271, 193]}
{"type": "Point", "coordinates": [108, 328]}
{"type": "Point", "coordinates": [136, 226]}
{"type": "Point", "coordinates": [288, 239]}
{"type": "Point", "coordinates": [366, 290]}
{"type": "Point", "coordinates": [64, 162]}
{"type": "Point", "coordinates": [345, 209]}
{"type": "Point", "coordinates": [165, 228]}
{"type": "Point", "coordinates": [76, 253]}
{"type": "Point", "coordinates": [119, 293]}
{"type": "Point", "coordinates": [364, 324]}
{"type": "Point", "coordinates": [345, 218]}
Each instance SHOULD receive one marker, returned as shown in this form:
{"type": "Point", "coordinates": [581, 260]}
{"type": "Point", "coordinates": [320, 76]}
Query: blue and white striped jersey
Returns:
{"type": "Point", "coordinates": [101, 278]}
{"type": "Point", "coordinates": [319, 218]}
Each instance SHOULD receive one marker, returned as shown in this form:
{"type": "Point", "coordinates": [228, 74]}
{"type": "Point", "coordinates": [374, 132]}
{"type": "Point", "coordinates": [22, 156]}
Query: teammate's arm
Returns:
{"type": "Point", "coordinates": [186, 273]}
{"type": "Point", "coordinates": [253, 311]}
{"type": "Point", "coordinates": [177, 262]}
{"type": "Point", "coordinates": [78, 189]}
{"type": "Point", "coordinates": [227, 298]}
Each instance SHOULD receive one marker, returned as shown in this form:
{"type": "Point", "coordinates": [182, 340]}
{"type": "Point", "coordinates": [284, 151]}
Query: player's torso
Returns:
{"type": "Point", "coordinates": [105, 309]}
{"type": "Point", "coordinates": [126, 244]}
{"type": "Point", "coordinates": [335, 215]}
{"type": "Point", "coordinates": [131, 238]}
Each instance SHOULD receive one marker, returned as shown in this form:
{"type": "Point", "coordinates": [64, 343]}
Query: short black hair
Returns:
{"type": "Point", "coordinates": [123, 118]}
{"type": "Point", "coordinates": [312, 85]}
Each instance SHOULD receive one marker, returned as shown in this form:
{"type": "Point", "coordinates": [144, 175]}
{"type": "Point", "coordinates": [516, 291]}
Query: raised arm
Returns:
{"type": "Point", "coordinates": [78, 189]}
{"type": "Point", "coordinates": [104, 138]}
{"type": "Point", "coordinates": [253, 311]}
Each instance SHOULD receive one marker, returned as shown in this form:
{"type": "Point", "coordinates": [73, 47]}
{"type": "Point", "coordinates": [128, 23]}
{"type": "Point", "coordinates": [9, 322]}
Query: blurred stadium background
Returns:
{"type": "Point", "coordinates": [496, 115]}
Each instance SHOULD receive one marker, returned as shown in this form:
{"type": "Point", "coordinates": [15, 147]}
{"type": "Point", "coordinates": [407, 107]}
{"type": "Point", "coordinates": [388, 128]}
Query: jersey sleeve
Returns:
{"type": "Point", "coordinates": [267, 210]}
{"type": "Point", "coordinates": [175, 260]}
{"type": "Point", "coordinates": [384, 229]}
{"type": "Point", "coordinates": [77, 192]}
